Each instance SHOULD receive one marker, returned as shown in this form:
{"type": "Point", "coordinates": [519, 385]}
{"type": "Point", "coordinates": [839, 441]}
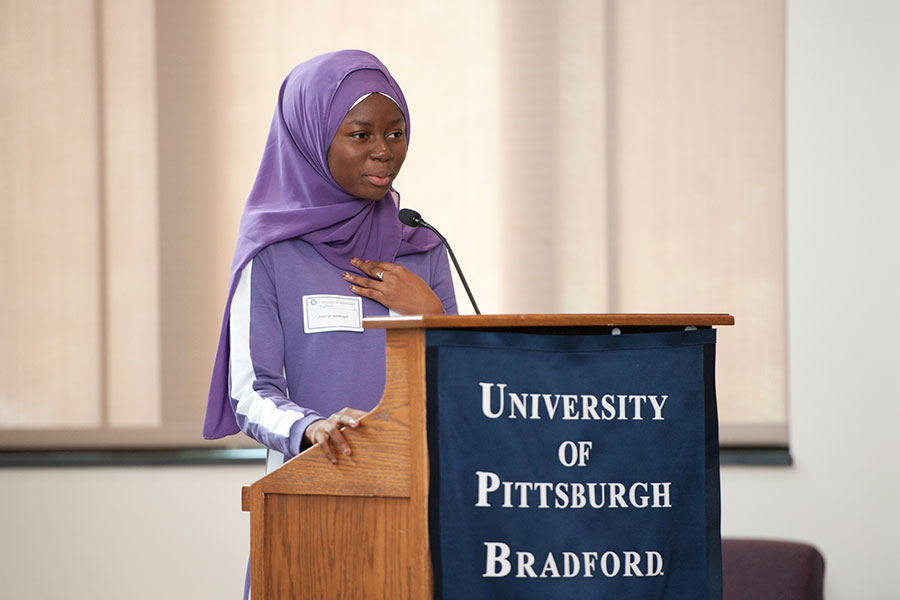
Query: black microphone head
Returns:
{"type": "Point", "coordinates": [410, 217]}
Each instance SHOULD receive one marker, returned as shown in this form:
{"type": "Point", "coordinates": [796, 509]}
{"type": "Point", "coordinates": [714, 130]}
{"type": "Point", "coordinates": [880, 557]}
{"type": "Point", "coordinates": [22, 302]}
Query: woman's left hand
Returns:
{"type": "Point", "coordinates": [394, 286]}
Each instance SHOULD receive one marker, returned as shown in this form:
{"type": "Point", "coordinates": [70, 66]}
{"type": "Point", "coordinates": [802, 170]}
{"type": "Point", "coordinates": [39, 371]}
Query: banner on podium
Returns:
{"type": "Point", "coordinates": [573, 466]}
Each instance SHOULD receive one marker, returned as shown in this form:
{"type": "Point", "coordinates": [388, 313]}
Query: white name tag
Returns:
{"type": "Point", "coordinates": [325, 312]}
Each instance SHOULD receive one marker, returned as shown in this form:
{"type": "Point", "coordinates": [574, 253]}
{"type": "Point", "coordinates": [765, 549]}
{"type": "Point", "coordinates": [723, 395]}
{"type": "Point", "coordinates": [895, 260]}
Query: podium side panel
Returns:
{"type": "Point", "coordinates": [338, 547]}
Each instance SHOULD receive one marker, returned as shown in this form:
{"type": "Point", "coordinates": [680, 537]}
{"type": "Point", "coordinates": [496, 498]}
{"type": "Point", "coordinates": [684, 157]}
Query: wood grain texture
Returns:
{"type": "Point", "coordinates": [339, 547]}
{"type": "Point", "coordinates": [378, 466]}
{"type": "Point", "coordinates": [412, 381]}
{"type": "Point", "coordinates": [258, 543]}
{"type": "Point", "coordinates": [380, 463]}
{"type": "Point", "coordinates": [549, 320]}
{"type": "Point", "coordinates": [358, 529]}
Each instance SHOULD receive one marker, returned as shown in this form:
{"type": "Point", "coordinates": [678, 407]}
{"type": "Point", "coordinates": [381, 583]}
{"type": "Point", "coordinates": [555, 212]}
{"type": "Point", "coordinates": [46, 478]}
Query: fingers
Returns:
{"type": "Point", "coordinates": [353, 413]}
{"type": "Point", "coordinates": [322, 438]}
{"type": "Point", "coordinates": [373, 268]}
{"type": "Point", "coordinates": [327, 433]}
{"type": "Point", "coordinates": [361, 282]}
{"type": "Point", "coordinates": [393, 286]}
{"type": "Point", "coordinates": [367, 292]}
{"type": "Point", "coordinates": [339, 442]}
{"type": "Point", "coordinates": [371, 287]}
{"type": "Point", "coordinates": [345, 417]}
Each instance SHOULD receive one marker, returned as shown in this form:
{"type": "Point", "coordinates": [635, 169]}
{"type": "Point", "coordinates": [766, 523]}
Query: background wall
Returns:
{"type": "Point", "coordinates": [611, 156]}
{"type": "Point", "coordinates": [178, 532]}
{"type": "Point", "coordinates": [844, 293]}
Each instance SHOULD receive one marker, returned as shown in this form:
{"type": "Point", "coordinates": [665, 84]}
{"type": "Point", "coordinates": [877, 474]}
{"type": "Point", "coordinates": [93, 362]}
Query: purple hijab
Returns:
{"type": "Point", "coordinates": [295, 195]}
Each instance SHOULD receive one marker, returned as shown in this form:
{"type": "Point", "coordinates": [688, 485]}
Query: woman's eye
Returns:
{"type": "Point", "coordinates": [395, 135]}
{"type": "Point", "coordinates": [360, 135]}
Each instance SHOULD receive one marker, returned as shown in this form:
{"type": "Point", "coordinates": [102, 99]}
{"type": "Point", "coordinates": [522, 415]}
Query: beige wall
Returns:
{"type": "Point", "coordinates": [582, 157]}
{"type": "Point", "coordinates": [49, 185]}
{"type": "Point", "coordinates": [844, 282]}
{"type": "Point", "coordinates": [109, 533]}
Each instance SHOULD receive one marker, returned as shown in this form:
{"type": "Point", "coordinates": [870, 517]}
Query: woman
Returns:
{"type": "Point", "coordinates": [320, 247]}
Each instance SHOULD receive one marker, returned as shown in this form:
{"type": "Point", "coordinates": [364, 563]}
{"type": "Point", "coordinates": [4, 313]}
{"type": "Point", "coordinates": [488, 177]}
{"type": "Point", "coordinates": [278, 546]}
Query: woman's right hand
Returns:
{"type": "Point", "coordinates": [327, 432]}
{"type": "Point", "coordinates": [394, 286]}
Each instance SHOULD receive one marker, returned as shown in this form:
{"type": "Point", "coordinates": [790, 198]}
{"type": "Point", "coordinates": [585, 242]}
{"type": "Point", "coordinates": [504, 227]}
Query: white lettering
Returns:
{"type": "Point", "coordinates": [592, 488]}
{"type": "Point", "coordinates": [632, 562]}
{"type": "Point", "coordinates": [567, 453]}
{"type": "Point", "coordinates": [657, 407]}
{"type": "Point", "coordinates": [609, 411]}
{"type": "Point", "coordinates": [638, 501]}
{"type": "Point", "coordinates": [627, 563]}
{"type": "Point", "coordinates": [497, 555]}
{"type": "Point", "coordinates": [589, 408]}
{"type": "Point", "coordinates": [517, 402]}
{"type": "Point", "coordinates": [562, 498]}
{"type": "Point", "coordinates": [661, 496]}
{"type": "Point", "coordinates": [523, 487]}
{"type": "Point", "coordinates": [567, 450]}
{"type": "Point", "coordinates": [654, 564]}
{"type": "Point", "coordinates": [525, 564]}
{"type": "Point", "coordinates": [590, 563]}
{"type": "Point", "coordinates": [584, 452]}
{"type": "Point", "coordinates": [571, 564]}
{"type": "Point", "coordinates": [616, 494]}
{"type": "Point", "coordinates": [536, 494]}
{"type": "Point", "coordinates": [507, 494]}
{"type": "Point", "coordinates": [550, 565]}
{"type": "Point", "coordinates": [551, 406]}
{"type": "Point", "coordinates": [637, 402]}
{"type": "Point", "coordinates": [487, 483]}
{"type": "Point", "coordinates": [486, 399]}
{"type": "Point", "coordinates": [569, 408]}
{"type": "Point", "coordinates": [578, 500]}
{"type": "Point", "coordinates": [623, 399]}
{"type": "Point", "coordinates": [613, 569]}
{"type": "Point", "coordinates": [543, 488]}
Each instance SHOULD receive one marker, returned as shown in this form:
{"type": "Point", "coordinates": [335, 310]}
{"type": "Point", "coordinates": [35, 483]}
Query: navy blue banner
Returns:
{"type": "Point", "coordinates": [574, 466]}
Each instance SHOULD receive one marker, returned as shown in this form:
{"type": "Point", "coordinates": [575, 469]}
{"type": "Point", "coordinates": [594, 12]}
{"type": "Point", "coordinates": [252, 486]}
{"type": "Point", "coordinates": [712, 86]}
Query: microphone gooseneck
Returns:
{"type": "Point", "coordinates": [411, 218]}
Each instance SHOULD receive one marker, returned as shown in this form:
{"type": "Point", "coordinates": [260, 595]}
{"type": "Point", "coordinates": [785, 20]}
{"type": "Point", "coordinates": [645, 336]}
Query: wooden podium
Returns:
{"type": "Point", "coordinates": [359, 529]}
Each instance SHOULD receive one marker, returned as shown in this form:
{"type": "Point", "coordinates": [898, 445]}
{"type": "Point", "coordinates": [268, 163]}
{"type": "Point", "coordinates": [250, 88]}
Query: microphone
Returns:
{"type": "Point", "coordinates": [412, 218]}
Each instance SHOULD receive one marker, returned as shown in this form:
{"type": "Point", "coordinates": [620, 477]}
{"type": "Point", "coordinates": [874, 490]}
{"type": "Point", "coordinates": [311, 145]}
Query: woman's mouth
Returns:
{"type": "Point", "coordinates": [378, 180]}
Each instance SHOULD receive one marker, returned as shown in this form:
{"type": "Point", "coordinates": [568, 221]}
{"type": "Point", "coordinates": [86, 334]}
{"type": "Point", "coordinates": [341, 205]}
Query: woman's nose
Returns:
{"type": "Point", "coordinates": [380, 150]}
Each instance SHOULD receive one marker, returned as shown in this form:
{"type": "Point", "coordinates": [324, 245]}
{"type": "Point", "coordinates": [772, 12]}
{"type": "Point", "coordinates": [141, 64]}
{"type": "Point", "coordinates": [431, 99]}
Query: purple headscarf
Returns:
{"type": "Point", "coordinates": [295, 195]}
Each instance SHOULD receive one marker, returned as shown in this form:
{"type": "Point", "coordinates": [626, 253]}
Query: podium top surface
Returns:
{"type": "Point", "coordinates": [549, 320]}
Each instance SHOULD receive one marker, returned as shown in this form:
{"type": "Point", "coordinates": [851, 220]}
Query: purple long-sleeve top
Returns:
{"type": "Point", "coordinates": [282, 379]}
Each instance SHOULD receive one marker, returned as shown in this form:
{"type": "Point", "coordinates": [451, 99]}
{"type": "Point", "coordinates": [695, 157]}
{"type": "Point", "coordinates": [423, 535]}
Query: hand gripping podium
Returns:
{"type": "Point", "coordinates": [588, 430]}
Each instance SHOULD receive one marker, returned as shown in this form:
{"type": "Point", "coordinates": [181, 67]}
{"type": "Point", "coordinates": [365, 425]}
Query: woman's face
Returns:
{"type": "Point", "coordinates": [369, 148]}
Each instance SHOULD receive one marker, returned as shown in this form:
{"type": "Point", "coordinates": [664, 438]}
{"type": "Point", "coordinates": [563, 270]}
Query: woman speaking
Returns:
{"type": "Point", "coordinates": [320, 248]}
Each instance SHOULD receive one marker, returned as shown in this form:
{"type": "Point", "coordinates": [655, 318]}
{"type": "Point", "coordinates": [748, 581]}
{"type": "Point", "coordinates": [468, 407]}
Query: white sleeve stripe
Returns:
{"type": "Point", "coordinates": [258, 410]}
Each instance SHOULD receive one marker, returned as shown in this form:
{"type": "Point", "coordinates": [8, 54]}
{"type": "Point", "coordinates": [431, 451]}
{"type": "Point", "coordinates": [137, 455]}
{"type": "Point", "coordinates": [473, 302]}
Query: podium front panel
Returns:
{"type": "Point", "coordinates": [565, 466]}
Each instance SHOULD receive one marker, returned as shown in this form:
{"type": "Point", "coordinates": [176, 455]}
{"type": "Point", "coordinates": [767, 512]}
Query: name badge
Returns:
{"type": "Point", "coordinates": [326, 312]}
